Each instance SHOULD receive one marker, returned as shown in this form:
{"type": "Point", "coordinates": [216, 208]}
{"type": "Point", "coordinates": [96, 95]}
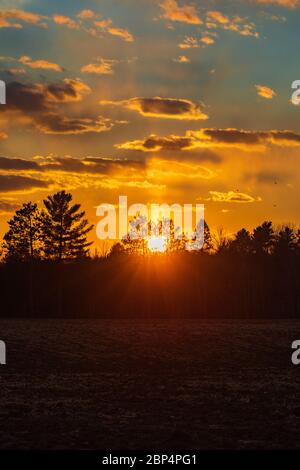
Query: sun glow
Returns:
{"type": "Point", "coordinates": [157, 244]}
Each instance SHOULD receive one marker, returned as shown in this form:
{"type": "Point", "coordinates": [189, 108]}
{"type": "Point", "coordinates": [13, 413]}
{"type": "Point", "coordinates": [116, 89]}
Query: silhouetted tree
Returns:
{"type": "Point", "coordinates": [297, 242]}
{"type": "Point", "coordinates": [22, 242]}
{"type": "Point", "coordinates": [208, 240]}
{"type": "Point", "coordinates": [242, 242]}
{"type": "Point", "coordinates": [134, 245]}
{"type": "Point", "coordinates": [263, 238]}
{"type": "Point", "coordinates": [221, 241]}
{"type": "Point", "coordinates": [175, 241]}
{"type": "Point", "coordinates": [117, 249]}
{"type": "Point", "coordinates": [285, 241]}
{"type": "Point", "coordinates": [64, 228]}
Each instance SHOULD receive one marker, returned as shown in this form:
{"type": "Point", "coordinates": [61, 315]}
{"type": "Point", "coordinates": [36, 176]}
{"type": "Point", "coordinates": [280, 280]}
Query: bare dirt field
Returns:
{"type": "Point", "coordinates": [149, 385]}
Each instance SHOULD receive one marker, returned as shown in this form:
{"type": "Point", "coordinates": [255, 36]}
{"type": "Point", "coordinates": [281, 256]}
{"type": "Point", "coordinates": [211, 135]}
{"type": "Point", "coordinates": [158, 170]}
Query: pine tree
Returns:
{"type": "Point", "coordinates": [242, 242]}
{"type": "Point", "coordinates": [64, 228]}
{"type": "Point", "coordinates": [208, 241]}
{"type": "Point", "coordinates": [22, 242]}
{"type": "Point", "coordinates": [263, 238]}
{"type": "Point", "coordinates": [285, 241]}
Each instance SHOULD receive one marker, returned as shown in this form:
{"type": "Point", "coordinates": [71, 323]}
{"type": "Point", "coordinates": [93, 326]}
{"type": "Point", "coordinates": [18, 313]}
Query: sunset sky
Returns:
{"type": "Point", "coordinates": [161, 100]}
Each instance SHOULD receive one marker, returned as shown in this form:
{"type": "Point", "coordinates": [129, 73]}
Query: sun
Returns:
{"type": "Point", "coordinates": [157, 244]}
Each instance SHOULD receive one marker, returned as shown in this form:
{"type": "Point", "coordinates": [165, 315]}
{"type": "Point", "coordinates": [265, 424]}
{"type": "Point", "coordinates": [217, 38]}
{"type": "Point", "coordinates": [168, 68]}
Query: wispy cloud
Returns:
{"type": "Point", "coordinates": [281, 3]}
{"type": "Point", "coordinates": [242, 26]}
{"type": "Point", "coordinates": [189, 42]}
{"type": "Point", "coordinates": [232, 196]}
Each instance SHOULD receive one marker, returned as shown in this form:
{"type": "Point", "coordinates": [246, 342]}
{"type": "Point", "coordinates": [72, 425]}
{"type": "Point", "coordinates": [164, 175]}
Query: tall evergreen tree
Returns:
{"type": "Point", "coordinates": [242, 242]}
{"type": "Point", "coordinates": [22, 242]}
{"type": "Point", "coordinates": [208, 240]}
{"type": "Point", "coordinates": [64, 228]}
{"type": "Point", "coordinates": [285, 241]}
{"type": "Point", "coordinates": [263, 238]}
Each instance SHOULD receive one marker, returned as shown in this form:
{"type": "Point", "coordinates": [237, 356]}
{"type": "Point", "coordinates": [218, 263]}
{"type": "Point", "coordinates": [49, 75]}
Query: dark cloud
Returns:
{"type": "Point", "coordinates": [25, 98]}
{"type": "Point", "coordinates": [69, 90]}
{"type": "Point", "coordinates": [94, 165]}
{"type": "Point", "coordinates": [285, 136]}
{"type": "Point", "coordinates": [39, 105]}
{"type": "Point", "coordinates": [169, 108]}
{"type": "Point", "coordinates": [37, 98]}
{"type": "Point", "coordinates": [17, 182]}
{"type": "Point", "coordinates": [17, 164]}
{"type": "Point", "coordinates": [210, 138]}
{"type": "Point", "coordinates": [6, 207]}
{"type": "Point", "coordinates": [168, 143]}
{"type": "Point", "coordinates": [54, 123]}
{"type": "Point", "coordinates": [235, 136]}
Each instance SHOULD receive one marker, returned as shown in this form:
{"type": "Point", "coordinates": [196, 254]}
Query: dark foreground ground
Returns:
{"type": "Point", "coordinates": [149, 385]}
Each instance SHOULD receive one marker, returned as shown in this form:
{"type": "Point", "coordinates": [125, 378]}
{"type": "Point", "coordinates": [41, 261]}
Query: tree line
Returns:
{"type": "Point", "coordinates": [249, 275]}
{"type": "Point", "coordinates": [59, 231]}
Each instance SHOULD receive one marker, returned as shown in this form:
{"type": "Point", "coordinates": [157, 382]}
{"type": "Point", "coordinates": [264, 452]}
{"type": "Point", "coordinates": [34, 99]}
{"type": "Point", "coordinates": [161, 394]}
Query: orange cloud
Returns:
{"type": "Point", "coordinates": [40, 64]}
{"type": "Point", "coordinates": [108, 27]}
{"type": "Point", "coordinates": [265, 92]}
{"type": "Point", "coordinates": [207, 40]}
{"type": "Point", "coordinates": [168, 108]}
{"type": "Point", "coordinates": [182, 59]}
{"type": "Point", "coordinates": [236, 23]}
{"type": "Point", "coordinates": [65, 21]}
{"type": "Point", "coordinates": [218, 17]}
{"type": "Point", "coordinates": [86, 14]}
{"type": "Point", "coordinates": [189, 42]}
{"type": "Point", "coordinates": [102, 67]}
{"type": "Point", "coordinates": [6, 24]}
{"type": "Point", "coordinates": [185, 14]}
{"type": "Point", "coordinates": [7, 16]}
{"type": "Point", "coordinates": [98, 23]}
